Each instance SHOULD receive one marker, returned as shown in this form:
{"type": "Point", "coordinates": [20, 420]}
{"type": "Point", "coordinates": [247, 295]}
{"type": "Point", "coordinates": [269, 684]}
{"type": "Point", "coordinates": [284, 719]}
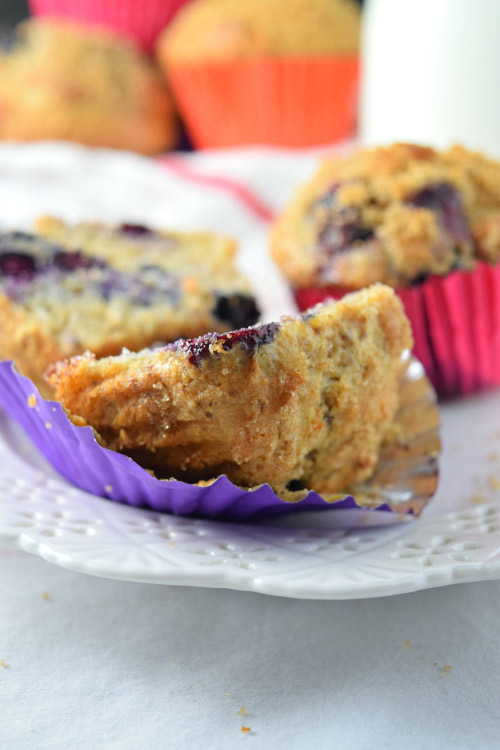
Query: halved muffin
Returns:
{"type": "Point", "coordinates": [302, 403]}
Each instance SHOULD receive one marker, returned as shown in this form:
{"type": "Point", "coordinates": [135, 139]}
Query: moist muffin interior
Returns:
{"type": "Point", "coordinates": [303, 403]}
{"type": "Point", "coordinates": [69, 289]}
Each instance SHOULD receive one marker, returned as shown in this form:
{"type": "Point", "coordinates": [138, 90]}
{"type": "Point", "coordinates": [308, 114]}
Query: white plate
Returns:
{"type": "Point", "coordinates": [456, 539]}
{"type": "Point", "coordinates": [303, 557]}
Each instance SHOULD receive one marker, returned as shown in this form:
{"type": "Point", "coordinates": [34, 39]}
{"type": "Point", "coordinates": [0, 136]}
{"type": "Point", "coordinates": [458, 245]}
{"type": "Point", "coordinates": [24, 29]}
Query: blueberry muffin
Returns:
{"type": "Point", "coordinates": [301, 404]}
{"type": "Point", "coordinates": [395, 215]}
{"type": "Point", "coordinates": [69, 289]}
{"type": "Point", "coordinates": [64, 82]}
{"type": "Point", "coordinates": [264, 71]}
{"type": "Point", "coordinates": [222, 30]}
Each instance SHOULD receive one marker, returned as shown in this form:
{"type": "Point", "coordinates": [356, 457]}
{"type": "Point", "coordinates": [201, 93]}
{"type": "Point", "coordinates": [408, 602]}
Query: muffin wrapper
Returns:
{"type": "Point", "coordinates": [293, 102]}
{"type": "Point", "coordinates": [404, 481]}
{"type": "Point", "coordinates": [143, 21]}
{"type": "Point", "coordinates": [456, 326]}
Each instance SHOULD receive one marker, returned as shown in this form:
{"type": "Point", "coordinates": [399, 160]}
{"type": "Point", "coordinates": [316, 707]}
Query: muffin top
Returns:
{"type": "Point", "coordinates": [222, 30]}
{"type": "Point", "coordinates": [62, 81]}
{"type": "Point", "coordinates": [396, 214]}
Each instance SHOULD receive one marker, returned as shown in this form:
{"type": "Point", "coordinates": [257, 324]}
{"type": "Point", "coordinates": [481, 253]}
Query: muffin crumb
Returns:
{"type": "Point", "coordinates": [494, 482]}
{"type": "Point", "coordinates": [478, 499]}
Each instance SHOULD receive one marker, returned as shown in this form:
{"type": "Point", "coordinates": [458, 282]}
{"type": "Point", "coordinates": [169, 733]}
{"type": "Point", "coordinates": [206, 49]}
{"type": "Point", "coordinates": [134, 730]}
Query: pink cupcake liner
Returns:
{"type": "Point", "coordinates": [76, 455]}
{"type": "Point", "coordinates": [144, 20]}
{"type": "Point", "coordinates": [456, 326]}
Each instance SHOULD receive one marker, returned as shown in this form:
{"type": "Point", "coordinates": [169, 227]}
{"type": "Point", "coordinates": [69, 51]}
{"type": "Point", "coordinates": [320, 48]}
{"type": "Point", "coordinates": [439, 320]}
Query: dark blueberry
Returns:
{"type": "Point", "coordinates": [238, 310]}
{"type": "Point", "coordinates": [341, 231]}
{"type": "Point", "coordinates": [71, 261]}
{"type": "Point", "coordinates": [295, 485]}
{"type": "Point", "coordinates": [18, 265]}
{"type": "Point", "coordinates": [249, 338]}
{"type": "Point", "coordinates": [135, 230]}
{"type": "Point", "coordinates": [21, 237]}
{"type": "Point", "coordinates": [446, 201]}
{"type": "Point", "coordinates": [328, 198]}
{"type": "Point", "coordinates": [23, 242]}
{"type": "Point", "coordinates": [106, 288]}
{"type": "Point", "coordinates": [342, 226]}
{"type": "Point", "coordinates": [151, 267]}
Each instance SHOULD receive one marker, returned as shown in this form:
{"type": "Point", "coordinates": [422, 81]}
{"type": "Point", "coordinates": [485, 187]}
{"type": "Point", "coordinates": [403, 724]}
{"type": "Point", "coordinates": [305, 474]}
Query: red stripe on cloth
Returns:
{"type": "Point", "coordinates": [251, 201]}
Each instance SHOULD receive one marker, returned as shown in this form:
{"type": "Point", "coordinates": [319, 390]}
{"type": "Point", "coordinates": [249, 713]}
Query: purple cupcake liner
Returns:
{"type": "Point", "coordinates": [75, 453]}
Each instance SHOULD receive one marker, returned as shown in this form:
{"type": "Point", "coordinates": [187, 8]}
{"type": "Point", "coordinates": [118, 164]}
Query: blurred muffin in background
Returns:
{"type": "Point", "coordinates": [63, 82]}
{"type": "Point", "coordinates": [142, 21]}
{"type": "Point", "coordinates": [425, 222]}
{"type": "Point", "coordinates": [264, 71]}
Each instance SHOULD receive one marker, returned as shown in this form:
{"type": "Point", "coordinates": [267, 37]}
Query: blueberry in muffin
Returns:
{"type": "Point", "coordinates": [69, 289]}
{"type": "Point", "coordinates": [396, 215]}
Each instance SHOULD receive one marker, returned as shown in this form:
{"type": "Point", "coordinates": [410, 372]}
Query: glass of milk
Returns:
{"type": "Point", "coordinates": [431, 73]}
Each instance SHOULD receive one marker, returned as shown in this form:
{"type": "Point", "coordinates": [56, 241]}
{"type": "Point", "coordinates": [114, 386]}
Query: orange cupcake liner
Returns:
{"type": "Point", "coordinates": [456, 326]}
{"type": "Point", "coordinates": [293, 102]}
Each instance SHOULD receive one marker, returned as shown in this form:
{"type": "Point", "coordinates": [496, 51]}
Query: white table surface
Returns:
{"type": "Point", "coordinates": [121, 665]}
{"type": "Point", "coordinates": [87, 662]}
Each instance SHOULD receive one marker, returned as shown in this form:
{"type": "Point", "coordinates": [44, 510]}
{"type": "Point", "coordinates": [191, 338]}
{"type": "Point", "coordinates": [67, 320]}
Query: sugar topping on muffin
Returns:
{"type": "Point", "coordinates": [217, 30]}
{"type": "Point", "coordinates": [393, 214]}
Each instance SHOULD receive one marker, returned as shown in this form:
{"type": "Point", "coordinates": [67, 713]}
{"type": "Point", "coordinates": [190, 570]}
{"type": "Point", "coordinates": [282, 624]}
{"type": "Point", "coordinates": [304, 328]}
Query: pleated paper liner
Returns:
{"type": "Point", "coordinates": [294, 102]}
{"type": "Point", "coordinates": [404, 481]}
{"type": "Point", "coordinates": [143, 20]}
{"type": "Point", "coordinates": [456, 326]}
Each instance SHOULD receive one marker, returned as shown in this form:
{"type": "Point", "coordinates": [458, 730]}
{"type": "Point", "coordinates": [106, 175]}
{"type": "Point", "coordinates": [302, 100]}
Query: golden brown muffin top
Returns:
{"type": "Point", "coordinates": [393, 214]}
{"type": "Point", "coordinates": [222, 30]}
{"type": "Point", "coordinates": [64, 81]}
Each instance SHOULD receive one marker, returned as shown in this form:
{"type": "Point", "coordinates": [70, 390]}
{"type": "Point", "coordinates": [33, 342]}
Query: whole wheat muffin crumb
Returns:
{"type": "Point", "coordinates": [302, 404]}
{"type": "Point", "coordinates": [494, 482]}
{"type": "Point", "coordinates": [478, 499]}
